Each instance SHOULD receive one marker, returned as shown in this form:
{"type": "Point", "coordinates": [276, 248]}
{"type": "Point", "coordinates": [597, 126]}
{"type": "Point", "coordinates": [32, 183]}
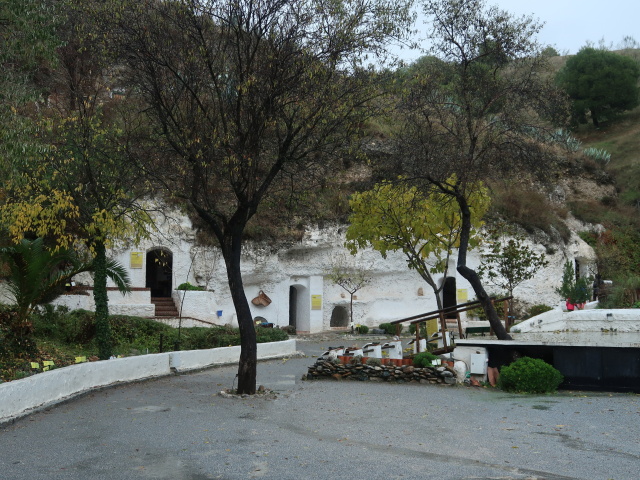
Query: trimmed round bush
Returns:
{"type": "Point", "coordinates": [530, 375]}
{"type": "Point", "coordinates": [362, 329]}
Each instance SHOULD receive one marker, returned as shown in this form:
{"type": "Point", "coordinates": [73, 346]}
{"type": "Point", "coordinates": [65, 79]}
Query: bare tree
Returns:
{"type": "Point", "coordinates": [247, 95]}
{"type": "Point", "coordinates": [487, 110]}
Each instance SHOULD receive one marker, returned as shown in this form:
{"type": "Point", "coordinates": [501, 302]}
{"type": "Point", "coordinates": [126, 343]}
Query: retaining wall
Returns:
{"type": "Point", "coordinates": [21, 397]}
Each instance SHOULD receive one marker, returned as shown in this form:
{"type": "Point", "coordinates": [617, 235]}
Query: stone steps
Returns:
{"type": "Point", "coordinates": [164, 307]}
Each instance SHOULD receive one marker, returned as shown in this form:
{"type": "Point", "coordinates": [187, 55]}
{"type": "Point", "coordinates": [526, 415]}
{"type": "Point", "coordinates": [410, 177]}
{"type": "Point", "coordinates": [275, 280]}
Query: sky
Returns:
{"type": "Point", "coordinates": [570, 24]}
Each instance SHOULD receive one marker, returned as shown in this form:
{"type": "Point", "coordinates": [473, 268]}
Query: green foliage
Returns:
{"type": "Point", "coordinates": [424, 227]}
{"type": "Point", "coordinates": [362, 329]}
{"type": "Point", "coordinates": [188, 286]}
{"type": "Point", "coordinates": [509, 261]}
{"type": "Point", "coordinates": [537, 310]}
{"type": "Point", "coordinates": [135, 335]}
{"type": "Point", "coordinates": [625, 293]}
{"type": "Point", "coordinates": [529, 375]}
{"type": "Point", "coordinates": [600, 82]}
{"type": "Point", "coordinates": [424, 359]}
{"type": "Point", "coordinates": [390, 329]}
{"type": "Point", "coordinates": [423, 329]}
{"type": "Point", "coordinates": [374, 362]}
{"type": "Point", "coordinates": [573, 290]}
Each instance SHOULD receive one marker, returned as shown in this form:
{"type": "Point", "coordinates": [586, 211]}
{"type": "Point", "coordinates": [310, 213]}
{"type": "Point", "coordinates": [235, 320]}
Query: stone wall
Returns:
{"type": "Point", "coordinates": [325, 368]}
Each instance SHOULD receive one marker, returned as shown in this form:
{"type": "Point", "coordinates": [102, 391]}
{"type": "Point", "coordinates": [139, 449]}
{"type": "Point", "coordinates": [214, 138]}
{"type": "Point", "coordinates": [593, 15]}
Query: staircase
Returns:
{"type": "Point", "coordinates": [165, 307]}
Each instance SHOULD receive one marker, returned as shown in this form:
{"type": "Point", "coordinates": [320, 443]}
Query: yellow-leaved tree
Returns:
{"type": "Point", "coordinates": [425, 227]}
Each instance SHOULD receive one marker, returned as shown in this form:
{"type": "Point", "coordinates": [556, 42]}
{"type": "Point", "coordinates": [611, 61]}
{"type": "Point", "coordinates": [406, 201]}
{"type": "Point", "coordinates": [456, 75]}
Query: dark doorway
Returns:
{"type": "Point", "coordinates": [449, 295]}
{"type": "Point", "coordinates": [159, 272]}
{"type": "Point", "coordinates": [339, 317]}
{"type": "Point", "coordinates": [293, 306]}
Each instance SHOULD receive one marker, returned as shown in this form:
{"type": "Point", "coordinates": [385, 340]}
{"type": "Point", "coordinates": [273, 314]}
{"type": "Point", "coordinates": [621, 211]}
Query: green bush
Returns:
{"type": "Point", "coordinates": [530, 375]}
{"type": "Point", "coordinates": [188, 286]}
{"type": "Point", "coordinates": [424, 359]}
{"type": "Point", "coordinates": [537, 310]}
{"type": "Point", "coordinates": [423, 329]}
{"type": "Point", "coordinates": [390, 329]}
{"type": "Point", "coordinates": [374, 362]}
{"type": "Point", "coordinates": [362, 329]}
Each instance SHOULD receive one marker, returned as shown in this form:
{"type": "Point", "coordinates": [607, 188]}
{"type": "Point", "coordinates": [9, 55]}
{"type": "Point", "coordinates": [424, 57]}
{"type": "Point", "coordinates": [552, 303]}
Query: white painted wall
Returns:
{"type": "Point", "coordinates": [20, 397]}
{"type": "Point", "coordinates": [393, 293]}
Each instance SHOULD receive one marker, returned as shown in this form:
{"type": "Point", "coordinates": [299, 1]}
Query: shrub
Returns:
{"type": "Point", "coordinates": [424, 359]}
{"type": "Point", "coordinates": [530, 375]}
{"type": "Point", "coordinates": [289, 329]}
{"type": "Point", "coordinates": [374, 362]}
{"type": "Point", "coordinates": [390, 329]}
{"type": "Point", "coordinates": [188, 286]}
{"type": "Point", "coordinates": [362, 329]}
{"type": "Point", "coordinates": [423, 329]}
{"type": "Point", "coordinates": [537, 310]}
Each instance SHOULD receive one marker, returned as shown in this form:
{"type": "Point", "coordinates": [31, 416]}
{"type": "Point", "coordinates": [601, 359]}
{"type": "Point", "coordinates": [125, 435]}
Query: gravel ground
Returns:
{"type": "Point", "coordinates": [180, 428]}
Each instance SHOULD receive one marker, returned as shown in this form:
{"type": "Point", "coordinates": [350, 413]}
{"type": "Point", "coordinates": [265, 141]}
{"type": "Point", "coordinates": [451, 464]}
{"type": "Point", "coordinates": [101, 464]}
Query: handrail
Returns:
{"type": "Point", "coordinates": [457, 309]}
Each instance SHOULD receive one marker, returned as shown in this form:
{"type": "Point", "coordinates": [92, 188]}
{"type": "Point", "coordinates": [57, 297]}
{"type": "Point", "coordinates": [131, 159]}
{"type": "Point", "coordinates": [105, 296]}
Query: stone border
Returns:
{"type": "Point", "coordinates": [22, 397]}
{"type": "Point", "coordinates": [384, 373]}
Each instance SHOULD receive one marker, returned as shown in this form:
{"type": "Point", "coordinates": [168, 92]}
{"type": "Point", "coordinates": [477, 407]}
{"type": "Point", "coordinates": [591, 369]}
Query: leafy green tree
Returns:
{"type": "Point", "coordinates": [509, 261]}
{"type": "Point", "coordinates": [425, 228]}
{"type": "Point", "coordinates": [600, 83]}
{"type": "Point", "coordinates": [37, 275]}
{"type": "Point", "coordinates": [252, 97]}
{"type": "Point", "coordinates": [485, 113]}
{"type": "Point", "coordinates": [85, 185]}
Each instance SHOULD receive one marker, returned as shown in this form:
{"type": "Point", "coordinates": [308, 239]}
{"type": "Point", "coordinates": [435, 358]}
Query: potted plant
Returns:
{"type": "Point", "coordinates": [575, 291]}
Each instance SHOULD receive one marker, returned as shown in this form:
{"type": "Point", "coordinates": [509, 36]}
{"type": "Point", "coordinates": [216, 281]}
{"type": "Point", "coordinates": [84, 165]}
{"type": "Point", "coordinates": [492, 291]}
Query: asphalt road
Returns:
{"type": "Point", "coordinates": [179, 428]}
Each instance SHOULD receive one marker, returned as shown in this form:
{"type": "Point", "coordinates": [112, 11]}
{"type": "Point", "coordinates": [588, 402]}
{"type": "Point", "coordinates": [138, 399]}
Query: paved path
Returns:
{"type": "Point", "coordinates": [179, 428]}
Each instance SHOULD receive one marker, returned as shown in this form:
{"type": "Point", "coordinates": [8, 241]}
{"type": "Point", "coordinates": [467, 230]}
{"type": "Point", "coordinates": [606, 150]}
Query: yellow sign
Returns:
{"type": "Point", "coordinates": [81, 359]}
{"type": "Point", "coordinates": [35, 365]}
{"type": "Point", "coordinates": [463, 295]}
{"type": "Point", "coordinates": [48, 363]}
{"type": "Point", "coordinates": [136, 260]}
{"type": "Point", "coordinates": [316, 302]}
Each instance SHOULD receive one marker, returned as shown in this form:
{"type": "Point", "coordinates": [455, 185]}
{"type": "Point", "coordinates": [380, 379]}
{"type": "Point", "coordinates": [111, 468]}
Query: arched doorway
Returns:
{"type": "Point", "coordinates": [159, 269]}
{"type": "Point", "coordinates": [339, 317]}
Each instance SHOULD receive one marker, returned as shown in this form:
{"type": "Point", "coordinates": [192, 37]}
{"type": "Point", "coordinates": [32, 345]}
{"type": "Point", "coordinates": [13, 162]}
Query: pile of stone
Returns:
{"type": "Point", "coordinates": [326, 368]}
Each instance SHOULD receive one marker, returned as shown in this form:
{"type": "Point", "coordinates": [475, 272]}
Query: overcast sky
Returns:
{"type": "Point", "coordinates": [570, 24]}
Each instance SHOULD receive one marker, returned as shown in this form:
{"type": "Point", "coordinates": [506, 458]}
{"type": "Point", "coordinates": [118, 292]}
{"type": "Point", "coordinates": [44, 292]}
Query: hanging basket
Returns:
{"type": "Point", "coordinates": [262, 300]}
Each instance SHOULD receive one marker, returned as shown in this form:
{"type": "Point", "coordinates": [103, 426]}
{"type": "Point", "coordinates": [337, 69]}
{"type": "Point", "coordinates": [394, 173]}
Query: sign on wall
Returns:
{"type": "Point", "coordinates": [316, 302]}
{"type": "Point", "coordinates": [136, 260]}
{"type": "Point", "coordinates": [463, 296]}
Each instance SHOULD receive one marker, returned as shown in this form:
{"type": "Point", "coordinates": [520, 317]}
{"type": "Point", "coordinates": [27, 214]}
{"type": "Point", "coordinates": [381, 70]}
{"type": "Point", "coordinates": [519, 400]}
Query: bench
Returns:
{"type": "Point", "coordinates": [481, 330]}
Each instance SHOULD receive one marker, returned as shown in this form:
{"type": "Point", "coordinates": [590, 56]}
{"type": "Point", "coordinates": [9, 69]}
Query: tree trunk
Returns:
{"type": "Point", "coordinates": [594, 118]}
{"type": "Point", "coordinates": [471, 276]}
{"type": "Point", "coordinates": [247, 365]}
{"type": "Point", "coordinates": [103, 329]}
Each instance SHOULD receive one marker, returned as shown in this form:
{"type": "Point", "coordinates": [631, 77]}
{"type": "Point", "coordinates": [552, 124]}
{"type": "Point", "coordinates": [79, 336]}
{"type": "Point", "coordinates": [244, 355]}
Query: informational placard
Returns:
{"type": "Point", "coordinates": [463, 295]}
{"type": "Point", "coordinates": [136, 260]}
{"type": "Point", "coordinates": [316, 302]}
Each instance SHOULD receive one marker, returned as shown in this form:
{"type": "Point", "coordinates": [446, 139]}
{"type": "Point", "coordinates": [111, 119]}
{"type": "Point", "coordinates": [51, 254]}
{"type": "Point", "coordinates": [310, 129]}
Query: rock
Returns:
{"type": "Point", "coordinates": [450, 380]}
{"type": "Point", "coordinates": [336, 376]}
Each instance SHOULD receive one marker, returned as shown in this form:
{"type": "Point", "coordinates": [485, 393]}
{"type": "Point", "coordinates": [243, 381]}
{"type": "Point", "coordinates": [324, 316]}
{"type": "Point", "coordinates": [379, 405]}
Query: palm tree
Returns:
{"type": "Point", "coordinates": [37, 275]}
